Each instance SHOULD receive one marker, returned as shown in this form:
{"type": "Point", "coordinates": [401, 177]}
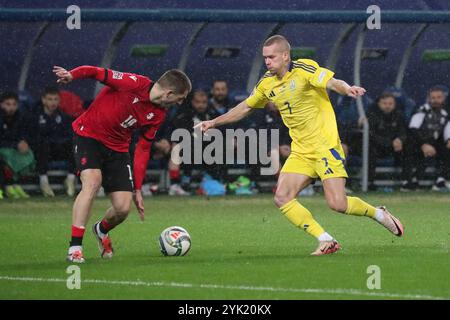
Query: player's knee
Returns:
{"type": "Point", "coordinates": [338, 204]}
{"type": "Point", "coordinates": [91, 187]}
{"type": "Point", "coordinates": [281, 198]}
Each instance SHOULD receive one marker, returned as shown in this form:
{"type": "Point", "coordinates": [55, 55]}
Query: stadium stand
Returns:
{"type": "Point", "coordinates": [227, 51]}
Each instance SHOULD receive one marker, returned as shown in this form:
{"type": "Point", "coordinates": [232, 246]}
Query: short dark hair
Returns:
{"type": "Point", "coordinates": [277, 39]}
{"type": "Point", "coordinates": [437, 88]}
{"type": "Point", "coordinates": [9, 95]}
{"type": "Point", "coordinates": [176, 80]}
{"type": "Point", "coordinates": [50, 90]}
{"type": "Point", "coordinates": [220, 80]}
{"type": "Point", "coordinates": [199, 92]}
{"type": "Point", "coordinates": [386, 95]}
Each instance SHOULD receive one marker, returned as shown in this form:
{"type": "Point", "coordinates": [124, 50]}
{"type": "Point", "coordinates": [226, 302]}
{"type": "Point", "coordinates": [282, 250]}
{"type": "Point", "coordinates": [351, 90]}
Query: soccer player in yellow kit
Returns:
{"type": "Point", "coordinates": [298, 89]}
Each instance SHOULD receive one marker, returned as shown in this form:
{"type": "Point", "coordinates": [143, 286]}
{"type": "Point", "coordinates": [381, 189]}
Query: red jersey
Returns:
{"type": "Point", "coordinates": [122, 106]}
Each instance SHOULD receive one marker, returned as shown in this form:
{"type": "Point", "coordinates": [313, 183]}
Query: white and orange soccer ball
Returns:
{"type": "Point", "coordinates": [174, 241]}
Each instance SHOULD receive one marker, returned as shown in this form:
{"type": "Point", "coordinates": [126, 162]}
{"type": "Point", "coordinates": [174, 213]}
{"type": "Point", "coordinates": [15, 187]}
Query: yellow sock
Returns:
{"type": "Point", "coordinates": [301, 218]}
{"type": "Point", "coordinates": [357, 207]}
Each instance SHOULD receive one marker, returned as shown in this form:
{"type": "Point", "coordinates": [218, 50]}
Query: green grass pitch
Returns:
{"type": "Point", "coordinates": [242, 248]}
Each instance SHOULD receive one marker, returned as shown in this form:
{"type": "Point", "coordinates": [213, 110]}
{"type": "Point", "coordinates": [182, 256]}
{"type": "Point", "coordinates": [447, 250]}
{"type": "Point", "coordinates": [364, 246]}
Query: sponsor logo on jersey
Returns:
{"type": "Point", "coordinates": [150, 115]}
{"type": "Point", "coordinates": [136, 100]}
{"type": "Point", "coordinates": [134, 78]}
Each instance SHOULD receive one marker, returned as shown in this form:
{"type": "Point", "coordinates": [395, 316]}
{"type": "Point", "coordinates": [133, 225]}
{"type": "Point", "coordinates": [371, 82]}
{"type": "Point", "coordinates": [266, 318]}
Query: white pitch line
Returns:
{"type": "Point", "coordinates": [352, 292]}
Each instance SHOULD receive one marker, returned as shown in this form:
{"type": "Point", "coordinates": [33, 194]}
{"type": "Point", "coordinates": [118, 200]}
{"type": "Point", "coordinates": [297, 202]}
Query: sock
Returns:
{"type": "Point", "coordinates": [77, 236]}
{"type": "Point", "coordinates": [72, 249]}
{"type": "Point", "coordinates": [302, 218]}
{"type": "Point", "coordinates": [379, 215]}
{"type": "Point", "coordinates": [43, 178]}
{"type": "Point", "coordinates": [357, 207]}
{"type": "Point", "coordinates": [104, 227]}
{"type": "Point", "coordinates": [71, 177]}
{"type": "Point", "coordinates": [174, 176]}
{"type": "Point", "coordinates": [325, 237]}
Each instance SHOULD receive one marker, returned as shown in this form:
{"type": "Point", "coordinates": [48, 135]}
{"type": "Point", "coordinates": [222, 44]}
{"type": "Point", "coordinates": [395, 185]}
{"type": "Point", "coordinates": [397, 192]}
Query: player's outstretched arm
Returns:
{"type": "Point", "coordinates": [237, 113]}
{"type": "Point", "coordinates": [343, 88]}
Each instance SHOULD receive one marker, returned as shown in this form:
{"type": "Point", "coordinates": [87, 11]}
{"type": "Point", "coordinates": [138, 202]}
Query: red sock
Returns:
{"type": "Point", "coordinates": [174, 176]}
{"type": "Point", "coordinates": [105, 226]}
{"type": "Point", "coordinates": [77, 236]}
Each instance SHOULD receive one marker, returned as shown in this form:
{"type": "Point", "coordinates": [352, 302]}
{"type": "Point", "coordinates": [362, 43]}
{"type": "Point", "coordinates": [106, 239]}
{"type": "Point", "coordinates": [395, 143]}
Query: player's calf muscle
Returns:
{"type": "Point", "coordinates": [121, 203]}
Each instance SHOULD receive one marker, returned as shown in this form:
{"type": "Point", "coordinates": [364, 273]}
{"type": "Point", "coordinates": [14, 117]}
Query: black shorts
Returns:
{"type": "Point", "coordinates": [115, 166]}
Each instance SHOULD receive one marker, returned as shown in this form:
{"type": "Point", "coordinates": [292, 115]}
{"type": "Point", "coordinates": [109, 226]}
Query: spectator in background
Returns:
{"type": "Point", "coordinates": [430, 134]}
{"type": "Point", "coordinates": [52, 140]}
{"type": "Point", "coordinates": [16, 157]}
{"type": "Point", "coordinates": [220, 101]}
{"type": "Point", "coordinates": [387, 134]}
{"type": "Point", "coordinates": [162, 145]}
{"type": "Point", "coordinates": [186, 119]}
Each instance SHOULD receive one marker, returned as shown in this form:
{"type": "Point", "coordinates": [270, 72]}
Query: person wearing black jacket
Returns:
{"type": "Point", "coordinates": [387, 132]}
{"type": "Point", "coordinates": [14, 143]}
{"type": "Point", "coordinates": [52, 140]}
{"type": "Point", "coordinates": [430, 138]}
{"type": "Point", "coordinates": [195, 112]}
{"type": "Point", "coordinates": [220, 102]}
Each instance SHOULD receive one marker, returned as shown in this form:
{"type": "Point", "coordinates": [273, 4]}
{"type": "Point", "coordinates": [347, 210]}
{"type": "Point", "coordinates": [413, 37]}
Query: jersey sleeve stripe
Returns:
{"type": "Point", "coordinates": [105, 78]}
{"type": "Point", "coordinates": [304, 68]}
{"type": "Point", "coordinates": [259, 82]}
{"type": "Point", "coordinates": [267, 75]}
{"type": "Point", "coordinates": [305, 65]}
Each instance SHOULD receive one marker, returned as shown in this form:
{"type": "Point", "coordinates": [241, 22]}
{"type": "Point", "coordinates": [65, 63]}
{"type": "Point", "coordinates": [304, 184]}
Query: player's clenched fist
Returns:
{"type": "Point", "coordinates": [63, 75]}
{"type": "Point", "coordinates": [205, 125]}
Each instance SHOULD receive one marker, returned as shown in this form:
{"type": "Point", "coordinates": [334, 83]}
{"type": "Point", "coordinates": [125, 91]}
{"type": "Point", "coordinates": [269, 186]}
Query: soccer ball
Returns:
{"type": "Point", "coordinates": [174, 241]}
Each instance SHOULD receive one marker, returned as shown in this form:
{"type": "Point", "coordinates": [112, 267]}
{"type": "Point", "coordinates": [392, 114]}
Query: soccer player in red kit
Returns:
{"type": "Point", "coordinates": [102, 139]}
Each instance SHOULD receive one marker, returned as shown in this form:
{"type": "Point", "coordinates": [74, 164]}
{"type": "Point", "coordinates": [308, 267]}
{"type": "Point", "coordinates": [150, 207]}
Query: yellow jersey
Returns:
{"type": "Point", "coordinates": [304, 105]}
